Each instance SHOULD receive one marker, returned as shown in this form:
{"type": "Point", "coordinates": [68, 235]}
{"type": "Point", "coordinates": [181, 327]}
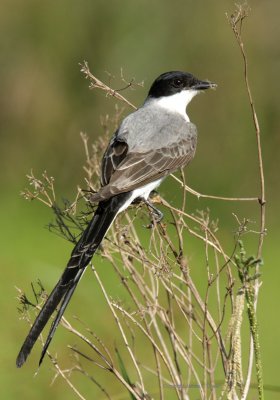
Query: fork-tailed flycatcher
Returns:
{"type": "Point", "coordinates": [149, 144]}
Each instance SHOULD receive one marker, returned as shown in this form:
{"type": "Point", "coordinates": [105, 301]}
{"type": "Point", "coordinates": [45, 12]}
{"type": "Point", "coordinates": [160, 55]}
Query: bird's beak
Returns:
{"type": "Point", "coordinates": [203, 85]}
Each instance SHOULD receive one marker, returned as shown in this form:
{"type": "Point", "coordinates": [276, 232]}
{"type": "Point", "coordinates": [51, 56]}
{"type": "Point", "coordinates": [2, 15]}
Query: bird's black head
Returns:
{"type": "Point", "coordinates": [174, 82]}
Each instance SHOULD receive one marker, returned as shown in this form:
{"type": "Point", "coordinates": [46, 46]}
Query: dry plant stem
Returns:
{"type": "Point", "coordinates": [63, 375]}
{"type": "Point", "coordinates": [176, 341]}
{"type": "Point", "coordinates": [236, 21]}
{"type": "Point", "coordinates": [181, 348]}
{"type": "Point", "coordinates": [207, 346]}
{"type": "Point", "coordinates": [184, 197]}
{"type": "Point", "coordinates": [205, 338]}
{"type": "Point", "coordinates": [56, 365]}
{"type": "Point", "coordinates": [107, 359]}
{"type": "Point", "coordinates": [96, 83]}
{"type": "Point", "coordinates": [161, 352]}
{"type": "Point", "coordinates": [179, 229]}
{"type": "Point", "coordinates": [213, 242]}
{"type": "Point", "coordinates": [210, 239]}
{"type": "Point", "coordinates": [109, 363]}
{"type": "Point", "coordinates": [138, 305]}
{"type": "Point", "coordinates": [150, 337]}
{"type": "Point", "coordinates": [189, 299]}
{"type": "Point", "coordinates": [210, 320]}
{"type": "Point", "coordinates": [164, 353]}
{"type": "Point", "coordinates": [208, 196]}
{"type": "Point", "coordinates": [148, 330]}
{"type": "Point", "coordinates": [188, 281]}
{"type": "Point", "coordinates": [83, 372]}
{"type": "Point", "coordinates": [120, 328]}
{"type": "Point", "coordinates": [211, 373]}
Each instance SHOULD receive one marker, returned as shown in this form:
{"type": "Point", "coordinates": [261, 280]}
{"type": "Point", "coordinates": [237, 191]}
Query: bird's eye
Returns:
{"type": "Point", "coordinates": [177, 82]}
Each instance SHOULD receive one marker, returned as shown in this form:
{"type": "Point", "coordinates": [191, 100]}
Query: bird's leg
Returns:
{"type": "Point", "coordinates": [88, 195]}
{"type": "Point", "coordinates": [157, 214]}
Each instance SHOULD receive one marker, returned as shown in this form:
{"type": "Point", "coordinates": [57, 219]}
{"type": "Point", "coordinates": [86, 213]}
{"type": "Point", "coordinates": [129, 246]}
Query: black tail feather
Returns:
{"type": "Point", "coordinates": [59, 315]}
{"type": "Point", "coordinates": [80, 258]}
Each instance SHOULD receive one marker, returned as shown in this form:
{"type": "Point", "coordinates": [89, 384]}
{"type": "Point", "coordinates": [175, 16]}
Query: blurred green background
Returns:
{"type": "Point", "coordinates": [45, 103]}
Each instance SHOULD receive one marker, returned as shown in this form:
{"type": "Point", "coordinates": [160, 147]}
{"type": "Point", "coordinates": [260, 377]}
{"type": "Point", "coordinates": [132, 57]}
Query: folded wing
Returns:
{"type": "Point", "coordinates": [124, 170]}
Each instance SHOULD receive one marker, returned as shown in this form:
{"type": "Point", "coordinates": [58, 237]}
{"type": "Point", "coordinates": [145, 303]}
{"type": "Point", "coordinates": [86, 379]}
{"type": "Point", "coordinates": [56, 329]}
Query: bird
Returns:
{"type": "Point", "coordinates": [149, 144]}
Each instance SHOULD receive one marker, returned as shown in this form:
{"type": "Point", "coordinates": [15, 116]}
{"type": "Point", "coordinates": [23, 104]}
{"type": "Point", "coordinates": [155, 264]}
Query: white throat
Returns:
{"type": "Point", "coordinates": [177, 102]}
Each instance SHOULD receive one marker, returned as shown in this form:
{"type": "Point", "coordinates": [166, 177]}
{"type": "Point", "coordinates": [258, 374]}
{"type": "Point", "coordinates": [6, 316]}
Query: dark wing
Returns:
{"type": "Point", "coordinates": [138, 169]}
{"type": "Point", "coordinates": [114, 155]}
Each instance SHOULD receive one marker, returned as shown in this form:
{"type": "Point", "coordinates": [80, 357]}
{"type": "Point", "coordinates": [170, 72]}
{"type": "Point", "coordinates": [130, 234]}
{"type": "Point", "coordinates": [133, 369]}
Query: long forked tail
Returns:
{"type": "Point", "coordinates": [65, 287]}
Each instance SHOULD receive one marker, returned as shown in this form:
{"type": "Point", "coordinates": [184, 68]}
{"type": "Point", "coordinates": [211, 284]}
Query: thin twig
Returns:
{"type": "Point", "coordinates": [236, 21]}
{"type": "Point", "coordinates": [208, 196]}
{"type": "Point", "coordinates": [96, 83]}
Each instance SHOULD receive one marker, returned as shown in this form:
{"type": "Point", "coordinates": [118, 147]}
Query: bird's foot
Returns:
{"type": "Point", "coordinates": [157, 214]}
